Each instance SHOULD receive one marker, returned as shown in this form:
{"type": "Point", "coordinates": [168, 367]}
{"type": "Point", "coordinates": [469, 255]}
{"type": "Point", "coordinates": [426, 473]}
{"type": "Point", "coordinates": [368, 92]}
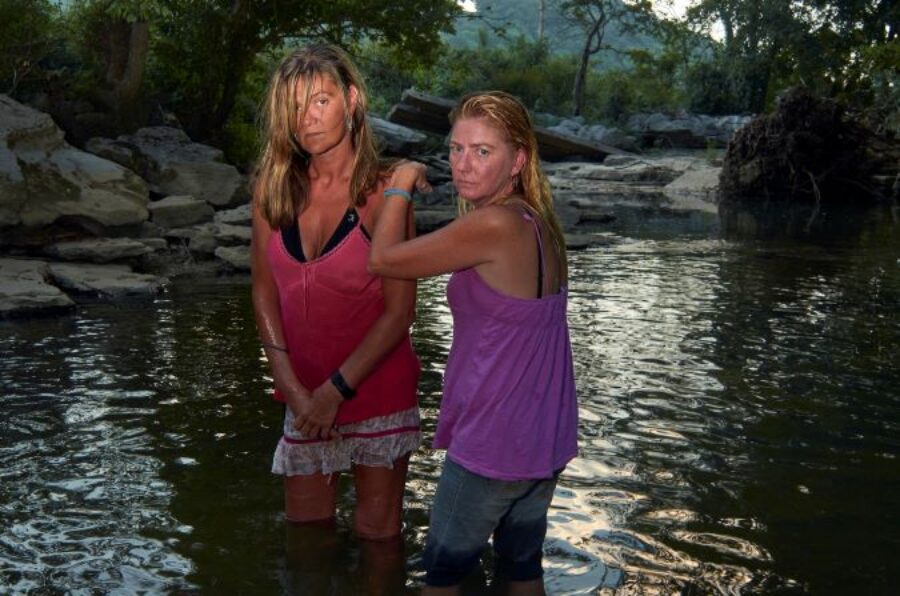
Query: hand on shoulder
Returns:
{"type": "Point", "coordinates": [409, 176]}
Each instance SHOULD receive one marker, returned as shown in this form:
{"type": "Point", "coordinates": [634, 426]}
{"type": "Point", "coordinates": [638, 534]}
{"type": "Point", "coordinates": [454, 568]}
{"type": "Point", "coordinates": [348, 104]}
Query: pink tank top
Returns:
{"type": "Point", "coordinates": [328, 305]}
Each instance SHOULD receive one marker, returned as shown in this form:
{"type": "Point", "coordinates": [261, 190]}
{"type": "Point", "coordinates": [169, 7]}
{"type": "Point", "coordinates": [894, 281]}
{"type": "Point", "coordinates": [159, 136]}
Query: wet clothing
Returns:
{"type": "Point", "coordinates": [508, 410]}
{"type": "Point", "coordinates": [377, 441]}
{"type": "Point", "coordinates": [328, 304]}
{"type": "Point", "coordinates": [468, 509]}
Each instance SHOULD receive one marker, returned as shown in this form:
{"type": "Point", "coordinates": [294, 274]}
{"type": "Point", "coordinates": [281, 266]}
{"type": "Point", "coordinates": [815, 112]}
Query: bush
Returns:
{"type": "Point", "coordinates": [27, 36]}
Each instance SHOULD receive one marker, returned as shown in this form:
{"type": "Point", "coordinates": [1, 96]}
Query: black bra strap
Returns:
{"type": "Point", "coordinates": [540, 247]}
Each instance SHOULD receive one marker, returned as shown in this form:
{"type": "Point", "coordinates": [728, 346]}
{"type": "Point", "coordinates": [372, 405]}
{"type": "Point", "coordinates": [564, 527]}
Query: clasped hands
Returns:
{"type": "Point", "coordinates": [314, 413]}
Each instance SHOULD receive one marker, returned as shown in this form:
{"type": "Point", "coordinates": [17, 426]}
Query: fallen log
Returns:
{"type": "Point", "coordinates": [427, 112]}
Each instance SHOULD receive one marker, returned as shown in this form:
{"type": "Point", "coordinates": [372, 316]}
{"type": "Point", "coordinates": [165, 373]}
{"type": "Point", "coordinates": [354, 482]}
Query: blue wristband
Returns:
{"type": "Point", "coordinates": [399, 192]}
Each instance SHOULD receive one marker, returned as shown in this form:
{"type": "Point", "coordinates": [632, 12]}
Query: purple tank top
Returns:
{"type": "Point", "coordinates": [508, 410]}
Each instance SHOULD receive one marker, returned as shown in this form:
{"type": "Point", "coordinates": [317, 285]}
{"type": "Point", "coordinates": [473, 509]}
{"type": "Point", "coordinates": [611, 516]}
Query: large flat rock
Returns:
{"type": "Point", "coordinates": [98, 250]}
{"type": "Point", "coordinates": [25, 291]}
{"type": "Point", "coordinates": [104, 280]}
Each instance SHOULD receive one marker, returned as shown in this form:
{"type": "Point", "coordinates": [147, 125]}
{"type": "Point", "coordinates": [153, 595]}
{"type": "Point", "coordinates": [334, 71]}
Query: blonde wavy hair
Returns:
{"type": "Point", "coordinates": [508, 115]}
{"type": "Point", "coordinates": [282, 177]}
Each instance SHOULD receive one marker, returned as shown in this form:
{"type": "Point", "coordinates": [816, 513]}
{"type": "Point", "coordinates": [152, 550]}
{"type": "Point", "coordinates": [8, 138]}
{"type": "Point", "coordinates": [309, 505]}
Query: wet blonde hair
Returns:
{"type": "Point", "coordinates": [507, 114]}
{"type": "Point", "coordinates": [282, 177]}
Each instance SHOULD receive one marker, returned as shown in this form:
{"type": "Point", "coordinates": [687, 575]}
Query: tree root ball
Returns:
{"type": "Point", "coordinates": [809, 149]}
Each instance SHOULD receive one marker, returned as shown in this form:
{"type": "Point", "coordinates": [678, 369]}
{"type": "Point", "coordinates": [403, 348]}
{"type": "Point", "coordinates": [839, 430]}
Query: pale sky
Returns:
{"type": "Point", "coordinates": [669, 8]}
{"type": "Point", "coordinates": [666, 8]}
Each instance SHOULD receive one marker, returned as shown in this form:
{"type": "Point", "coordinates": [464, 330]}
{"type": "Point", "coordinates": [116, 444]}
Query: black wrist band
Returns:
{"type": "Point", "coordinates": [337, 379]}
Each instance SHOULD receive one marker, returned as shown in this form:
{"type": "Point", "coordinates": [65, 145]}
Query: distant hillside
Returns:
{"type": "Point", "coordinates": [520, 17]}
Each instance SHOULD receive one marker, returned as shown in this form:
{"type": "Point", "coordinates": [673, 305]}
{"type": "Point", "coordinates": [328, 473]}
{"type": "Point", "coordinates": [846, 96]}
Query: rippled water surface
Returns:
{"type": "Point", "coordinates": [739, 401]}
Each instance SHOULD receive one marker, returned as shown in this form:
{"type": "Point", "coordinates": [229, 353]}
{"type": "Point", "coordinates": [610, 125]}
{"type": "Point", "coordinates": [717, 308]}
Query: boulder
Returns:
{"type": "Point", "coordinates": [24, 289]}
{"type": "Point", "coordinates": [229, 235]}
{"type": "Point", "coordinates": [238, 257]}
{"type": "Point", "coordinates": [175, 165]}
{"type": "Point", "coordinates": [104, 280]}
{"type": "Point", "coordinates": [624, 180]}
{"type": "Point", "coordinates": [396, 139]}
{"type": "Point", "coordinates": [49, 189]}
{"type": "Point", "coordinates": [432, 218]}
{"type": "Point", "coordinates": [180, 211]}
{"type": "Point", "coordinates": [99, 250]}
{"type": "Point", "coordinates": [199, 240]}
{"type": "Point", "coordinates": [239, 216]}
{"type": "Point", "coordinates": [697, 189]}
{"type": "Point", "coordinates": [598, 133]}
{"type": "Point", "coordinates": [686, 130]}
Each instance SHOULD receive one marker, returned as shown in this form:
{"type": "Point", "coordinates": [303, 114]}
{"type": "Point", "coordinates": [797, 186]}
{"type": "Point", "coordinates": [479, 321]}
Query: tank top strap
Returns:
{"type": "Point", "coordinates": [540, 245]}
{"type": "Point", "coordinates": [363, 212]}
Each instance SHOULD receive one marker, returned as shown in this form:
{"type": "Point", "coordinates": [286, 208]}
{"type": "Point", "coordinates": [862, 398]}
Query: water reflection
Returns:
{"type": "Point", "coordinates": [739, 419]}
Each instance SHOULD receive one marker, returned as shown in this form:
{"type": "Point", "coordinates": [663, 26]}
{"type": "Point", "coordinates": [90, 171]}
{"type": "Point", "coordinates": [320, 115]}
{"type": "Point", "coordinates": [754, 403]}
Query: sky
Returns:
{"type": "Point", "coordinates": [669, 8]}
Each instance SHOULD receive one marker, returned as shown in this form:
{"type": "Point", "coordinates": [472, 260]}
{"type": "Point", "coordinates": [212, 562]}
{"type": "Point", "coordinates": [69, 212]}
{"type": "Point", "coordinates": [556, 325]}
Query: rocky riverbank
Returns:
{"type": "Point", "coordinates": [126, 215]}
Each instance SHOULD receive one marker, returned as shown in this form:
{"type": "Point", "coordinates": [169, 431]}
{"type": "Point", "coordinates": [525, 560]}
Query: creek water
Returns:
{"type": "Point", "coordinates": [739, 409]}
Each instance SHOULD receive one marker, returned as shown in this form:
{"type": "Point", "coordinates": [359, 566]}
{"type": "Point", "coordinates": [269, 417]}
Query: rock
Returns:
{"type": "Point", "coordinates": [239, 216]}
{"type": "Point", "coordinates": [618, 161]}
{"type": "Point", "coordinates": [219, 184]}
{"type": "Point", "coordinates": [175, 165]}
{"type": "Point", "coordinates": [396, 139]}
{"type": "Point", "coordinates": [569, 216]}
{"type": "Point", "coordinates": [685, 130]}
{"type": "Point", "coordinates": [99, 250]}
{"type": "Point", "coordinates": [154, 244]}
{"type": "Point", "coordinates": [24, 289]}
{"type": "Point", "coordinates": [595, 216]}
{"type": "Point", "coordinates": [579, 241]}
{"type": "Point", "coordinates": [430, 219]}
{"type": "Point", "coordinates": [180, 211]}
{"type": "Point", "coordinates": [427, 112]}
{"type": "Point", "coordinates": [237, 257]}
{"type": "Point", "coordinates": [617, 138]}
{"type": "Point", "coordinates": [200, 240]}
{"type": "Point", "coordinates": [442, 195]}
{"type": "Point", "coordinates": [626, 180]}
{"type": "Point", "coordinates": [104, 280]}
{"type": "Point", "coordinates": [49, 189]}
{"type": "Point", "coordinates": [233, 235]}
{"type": "Point", "coordinates": [654, 172]}
{"type": "Point", "coordinates": [697, 189]}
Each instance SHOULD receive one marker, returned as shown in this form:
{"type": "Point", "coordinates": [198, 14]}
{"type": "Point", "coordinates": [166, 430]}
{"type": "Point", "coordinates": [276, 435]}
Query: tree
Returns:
{"type": "Point", "coordinates": [25, 38]}
{"type": "Point", "coordinates": [825, 44]}
{"type": "Point", "coordinates": [206, 48]}
{"type": "Point", "coordinates": [594, 16]}
{"type": "Point", "coordinates": [114, 37]}
{"type": "Point", "coordinates": [542, 8]}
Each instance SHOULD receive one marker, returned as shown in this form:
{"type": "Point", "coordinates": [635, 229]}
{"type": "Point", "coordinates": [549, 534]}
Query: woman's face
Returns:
{"type": "Point", "coordinates": [322, 124]}
{"type": "Point", "coordinates": [483, 162]}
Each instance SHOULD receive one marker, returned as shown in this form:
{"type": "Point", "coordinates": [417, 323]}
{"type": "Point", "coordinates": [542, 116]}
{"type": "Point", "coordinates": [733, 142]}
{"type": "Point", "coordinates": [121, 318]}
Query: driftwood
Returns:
{"type": "Point", "coordinates": [426, 112]}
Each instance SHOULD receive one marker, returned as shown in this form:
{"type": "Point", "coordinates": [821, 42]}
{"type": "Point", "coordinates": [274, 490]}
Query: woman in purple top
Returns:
{"type": "Point", "coordinates": [508, 415]}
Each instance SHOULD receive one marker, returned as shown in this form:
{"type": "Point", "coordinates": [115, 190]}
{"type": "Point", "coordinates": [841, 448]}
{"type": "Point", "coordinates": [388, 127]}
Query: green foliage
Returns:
{"type": "Point", "coordinates": [524, 68]}
{"type": "Point", "coordinates": [770, 45]}
{"type": "Point", "coordinates": [204, 51]}
{"type": "Point", "coordinates": [27, 36]}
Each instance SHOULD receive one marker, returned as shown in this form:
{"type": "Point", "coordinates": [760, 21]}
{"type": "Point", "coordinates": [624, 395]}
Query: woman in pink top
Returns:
{"type": "Point", "coordinates": [336, 336]}
{"type": "Point", "coordinates": [508, 414]}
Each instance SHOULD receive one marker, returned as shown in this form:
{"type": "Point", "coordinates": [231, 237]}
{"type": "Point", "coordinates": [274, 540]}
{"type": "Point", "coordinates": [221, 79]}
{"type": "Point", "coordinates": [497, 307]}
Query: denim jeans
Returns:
{"type": "Point", "coordinates": [468, 509]}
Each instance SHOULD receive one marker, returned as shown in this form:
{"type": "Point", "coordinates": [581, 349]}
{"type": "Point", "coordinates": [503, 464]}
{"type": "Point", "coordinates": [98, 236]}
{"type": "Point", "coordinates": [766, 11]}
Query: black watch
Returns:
{"type": "Point", "coordinates": [346, 391]}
